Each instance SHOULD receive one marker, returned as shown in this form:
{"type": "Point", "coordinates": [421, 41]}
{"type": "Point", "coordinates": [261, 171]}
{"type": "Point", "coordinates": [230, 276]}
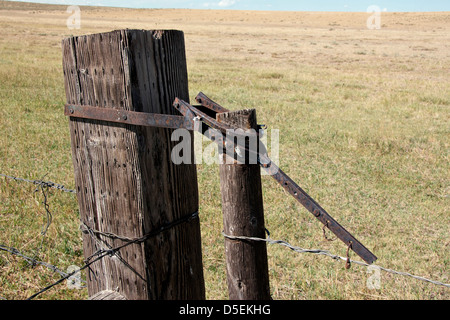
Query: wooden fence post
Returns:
{"type": "Point", "coordinates": [243, 215]}
{"type": "Point", "coordinates": [127, 186]}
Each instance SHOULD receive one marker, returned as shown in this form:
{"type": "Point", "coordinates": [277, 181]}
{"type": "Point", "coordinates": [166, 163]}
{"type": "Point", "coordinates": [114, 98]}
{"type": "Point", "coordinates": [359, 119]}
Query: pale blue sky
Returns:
{"type": "Point", "coordinates": [287, 5]}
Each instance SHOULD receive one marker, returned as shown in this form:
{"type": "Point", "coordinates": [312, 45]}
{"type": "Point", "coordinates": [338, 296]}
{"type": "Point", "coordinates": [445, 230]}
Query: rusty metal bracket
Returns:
{"type": "Point", "coordinates": [208, 103]}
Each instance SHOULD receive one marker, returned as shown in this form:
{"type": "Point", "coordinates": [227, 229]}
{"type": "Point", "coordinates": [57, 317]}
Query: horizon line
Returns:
{"type": "Point", "coordinates": [384, 10]}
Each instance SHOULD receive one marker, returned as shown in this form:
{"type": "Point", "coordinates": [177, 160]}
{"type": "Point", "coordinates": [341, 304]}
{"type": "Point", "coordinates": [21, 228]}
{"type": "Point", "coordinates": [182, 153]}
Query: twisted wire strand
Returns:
{"type": "Point", "coordinates": [48, 184]}
{"type": "Point", "coordinates": [33, 261]}
{"type": "Point", "coordinates": [329, 254]}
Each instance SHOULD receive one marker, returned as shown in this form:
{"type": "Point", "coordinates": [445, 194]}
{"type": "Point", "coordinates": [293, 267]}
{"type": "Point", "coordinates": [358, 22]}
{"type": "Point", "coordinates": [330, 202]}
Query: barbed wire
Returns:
{"type": "Point", "coordinates": [32, 261]}
{"type": "Point", "coordinates": [329, 254]}
{"type": "Point", "coordinates": [43, 186]}
{"type": "Point", "coordinates": [49, 216]}
{"type": "Point", "coordinates": [67, 276]}
{"type": "Point", "coordinates": [48, 184]}
{"type": "Point", "coordinates": [110, 251]}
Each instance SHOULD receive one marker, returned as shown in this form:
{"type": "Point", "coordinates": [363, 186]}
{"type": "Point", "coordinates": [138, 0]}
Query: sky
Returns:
{"type": "Point", "coordinates": [284, 5]}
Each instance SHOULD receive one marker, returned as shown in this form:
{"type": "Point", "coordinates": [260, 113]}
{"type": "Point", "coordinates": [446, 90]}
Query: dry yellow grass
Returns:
{"type": "Point", "coordinates": [364, 128]}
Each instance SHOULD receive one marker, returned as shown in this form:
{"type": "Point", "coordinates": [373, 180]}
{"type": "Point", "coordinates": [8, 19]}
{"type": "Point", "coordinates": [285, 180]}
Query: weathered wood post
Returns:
{"type": "Point", "coordinates": [127, 186]}
{"type": "Point", "coordinates": [243, 215]}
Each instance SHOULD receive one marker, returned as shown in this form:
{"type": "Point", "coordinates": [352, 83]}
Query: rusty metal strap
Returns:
{"type": "Point", "coordinates": [128, 117]}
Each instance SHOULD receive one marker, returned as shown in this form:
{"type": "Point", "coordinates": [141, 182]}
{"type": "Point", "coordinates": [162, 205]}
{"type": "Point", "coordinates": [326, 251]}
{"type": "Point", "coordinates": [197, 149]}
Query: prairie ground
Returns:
{"type": "Point", "coordinates": [363, 117]}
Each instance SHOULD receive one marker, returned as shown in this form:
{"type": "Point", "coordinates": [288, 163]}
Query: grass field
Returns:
{"type": "Point", "coordinates": [364, 129]}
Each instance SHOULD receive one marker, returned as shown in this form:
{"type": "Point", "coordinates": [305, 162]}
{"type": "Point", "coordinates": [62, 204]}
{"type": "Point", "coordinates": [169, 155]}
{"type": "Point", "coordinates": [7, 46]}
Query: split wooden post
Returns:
{"type": "Point", "coordinates": [127, 186]}
{"type": "Point", "coordinates": [243, 215]}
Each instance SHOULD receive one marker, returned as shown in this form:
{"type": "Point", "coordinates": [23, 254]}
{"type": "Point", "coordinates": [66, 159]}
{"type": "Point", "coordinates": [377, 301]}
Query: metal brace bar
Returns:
{"type": "Point", "coordinates": [129, 117]}
{"type": "Point", "coordinates": [288, 184]}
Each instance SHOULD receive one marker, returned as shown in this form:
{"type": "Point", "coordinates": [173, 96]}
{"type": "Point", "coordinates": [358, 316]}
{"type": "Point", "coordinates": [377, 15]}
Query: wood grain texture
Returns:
{"type": "Point", "coordinates": [126, 183]}
{"type": "Point", "coordinates": [243, 215]}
